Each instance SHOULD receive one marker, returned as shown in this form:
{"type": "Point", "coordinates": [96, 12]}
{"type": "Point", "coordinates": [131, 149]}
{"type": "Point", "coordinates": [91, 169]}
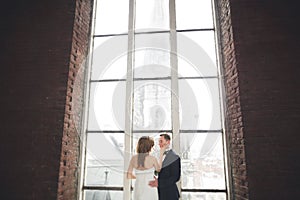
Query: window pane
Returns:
{"type": "Point", "coordinates": [111, 16]}
{"type": "Point", "coordinates": [202, 161]}
{"type": "Point", "coordinates": [107, 106]}
{"type": "Point", "coordinates": [152, 14]}
{"type": "Point", "coordinates": [99, 194]}
{"type": "Point", "coordinates": [152, 63]}
{"type": "Point", "coordinates": [109, 57]}
{"type": "Point", "coordinates": [105, 159]}
{"type": "Point", "coordinates": [152, 105]}
{"type": "Point", "coordinates": [203, 196]}
{"type": "Point", "coordinates": [197, 54]}
{"type": "Point", "coordinates": [155, 41]}
{"type": "Point", "coordinates": [193, 14]}
{"type": "Point", "coordinates": [152, 55]}
{"type": "Point", "coordinates": [199, 104]}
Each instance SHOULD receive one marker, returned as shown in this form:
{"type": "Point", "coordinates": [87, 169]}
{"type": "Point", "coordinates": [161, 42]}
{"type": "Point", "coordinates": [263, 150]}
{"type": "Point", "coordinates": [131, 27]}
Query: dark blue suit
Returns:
{"type": "Point", "coordinates": [168, 176]}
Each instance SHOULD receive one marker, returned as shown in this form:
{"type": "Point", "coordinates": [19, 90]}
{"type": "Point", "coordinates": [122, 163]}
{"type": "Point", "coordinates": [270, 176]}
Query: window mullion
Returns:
{"type": "Point", "coordinates": [174, 76]}
{"type": "Point", "coordinates": [129, 99]}
{"type": "Point", "coordinates": [174, 80]}
{"type": "Point", "coordinates": [85, 109]}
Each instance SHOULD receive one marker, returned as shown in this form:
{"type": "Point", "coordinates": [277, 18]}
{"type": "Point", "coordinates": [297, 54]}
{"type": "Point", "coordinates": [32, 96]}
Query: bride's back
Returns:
{"type": "Point", "coordinates": [148, 163]}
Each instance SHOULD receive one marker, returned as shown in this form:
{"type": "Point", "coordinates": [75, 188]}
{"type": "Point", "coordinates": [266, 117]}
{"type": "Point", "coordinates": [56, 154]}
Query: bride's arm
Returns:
{"type": "Point", "coordinates": [158, 163]}
{"type": "Point", "coordinates": [130, 175]}
{"type": "Point", "coordinates": [130, 169]}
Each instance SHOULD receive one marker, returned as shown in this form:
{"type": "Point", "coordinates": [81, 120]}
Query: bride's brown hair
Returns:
{"type": "Point", "coordinates": [144, 146]}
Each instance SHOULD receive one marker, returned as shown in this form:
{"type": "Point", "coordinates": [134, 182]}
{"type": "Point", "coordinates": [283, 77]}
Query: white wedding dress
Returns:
{"type": "Point", "coordinates": [142, 191]}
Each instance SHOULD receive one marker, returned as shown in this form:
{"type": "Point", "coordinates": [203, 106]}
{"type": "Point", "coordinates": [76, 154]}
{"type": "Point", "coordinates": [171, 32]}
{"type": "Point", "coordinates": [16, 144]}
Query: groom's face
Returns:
{"type": "Point", "coordinates": [163, 142]}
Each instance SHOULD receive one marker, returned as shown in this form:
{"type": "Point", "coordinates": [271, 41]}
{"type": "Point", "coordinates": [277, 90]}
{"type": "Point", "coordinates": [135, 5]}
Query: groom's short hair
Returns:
{"type": "Point", "coordinates": [166, 136]}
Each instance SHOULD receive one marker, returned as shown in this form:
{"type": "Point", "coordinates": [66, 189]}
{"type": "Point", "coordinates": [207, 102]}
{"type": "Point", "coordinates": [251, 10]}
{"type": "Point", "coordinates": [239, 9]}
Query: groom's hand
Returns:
{"type": "Point", "coordinates": [153, 183]}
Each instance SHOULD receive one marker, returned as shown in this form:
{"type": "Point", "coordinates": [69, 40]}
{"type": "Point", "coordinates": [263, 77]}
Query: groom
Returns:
{"type": "Point", "coordinates": [169, 173]}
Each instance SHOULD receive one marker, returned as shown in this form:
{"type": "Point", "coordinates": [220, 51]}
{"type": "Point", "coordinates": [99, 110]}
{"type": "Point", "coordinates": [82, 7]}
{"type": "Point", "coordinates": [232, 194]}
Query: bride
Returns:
{"type": "Point", "coordinates": [144, 166]}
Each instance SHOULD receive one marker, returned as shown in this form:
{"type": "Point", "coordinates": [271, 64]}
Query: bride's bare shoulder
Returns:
{"type": "Point", "coordinates": [134, 157]}
{"type": "Point", "coordinates": [152, 157]}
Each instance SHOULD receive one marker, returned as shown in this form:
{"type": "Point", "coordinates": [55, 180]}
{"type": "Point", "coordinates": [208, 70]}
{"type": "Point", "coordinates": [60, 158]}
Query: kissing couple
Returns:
{"type": "Point", "coordinates": [155, 178]}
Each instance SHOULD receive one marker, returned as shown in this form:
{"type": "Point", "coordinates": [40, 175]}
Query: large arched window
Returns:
{"type": "Point", "coordinates": [154, 67]}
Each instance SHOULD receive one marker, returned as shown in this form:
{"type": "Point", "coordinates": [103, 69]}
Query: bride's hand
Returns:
{"type": "Point", "coordinates": [163, 149]}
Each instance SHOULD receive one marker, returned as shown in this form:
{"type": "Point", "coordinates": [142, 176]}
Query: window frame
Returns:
{"type": "Point", "coordinates": [175, 104]}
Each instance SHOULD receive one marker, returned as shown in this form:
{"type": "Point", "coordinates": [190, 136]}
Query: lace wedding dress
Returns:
{"type": "Point", "coordinates": [142, 191]}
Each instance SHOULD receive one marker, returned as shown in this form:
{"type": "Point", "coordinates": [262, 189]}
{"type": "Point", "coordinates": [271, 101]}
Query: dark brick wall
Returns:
{"type": "Point", "coordinates": [261, 72]}
{"type": "Point", "coordinates": [36, 43]}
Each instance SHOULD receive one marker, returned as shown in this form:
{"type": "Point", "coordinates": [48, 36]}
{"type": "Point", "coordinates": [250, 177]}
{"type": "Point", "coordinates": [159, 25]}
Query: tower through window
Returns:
{"type": "Point", "coordinates": [154, 67]}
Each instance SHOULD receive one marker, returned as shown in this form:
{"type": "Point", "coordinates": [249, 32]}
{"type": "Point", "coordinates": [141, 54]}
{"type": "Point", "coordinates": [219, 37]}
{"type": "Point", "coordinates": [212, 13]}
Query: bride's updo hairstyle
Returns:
{"type": "Point", "coordinates": [144, 146]}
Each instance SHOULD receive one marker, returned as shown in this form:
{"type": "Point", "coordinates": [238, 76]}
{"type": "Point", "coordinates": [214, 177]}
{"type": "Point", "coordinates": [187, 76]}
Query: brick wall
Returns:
{"type": "Point", "coordinates": [70, 165]}
{"type": "Point", "coordinates": [261, 69]}
{"type": "Point", "coordinates": [36, 72]}
{"type": "Point", "coordinates": [234, 119]}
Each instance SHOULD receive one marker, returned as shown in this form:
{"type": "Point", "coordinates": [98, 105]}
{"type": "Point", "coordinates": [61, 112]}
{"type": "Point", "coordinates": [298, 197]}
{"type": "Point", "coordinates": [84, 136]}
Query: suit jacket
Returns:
{"type": "Point", "coordinates": [168, 176]}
